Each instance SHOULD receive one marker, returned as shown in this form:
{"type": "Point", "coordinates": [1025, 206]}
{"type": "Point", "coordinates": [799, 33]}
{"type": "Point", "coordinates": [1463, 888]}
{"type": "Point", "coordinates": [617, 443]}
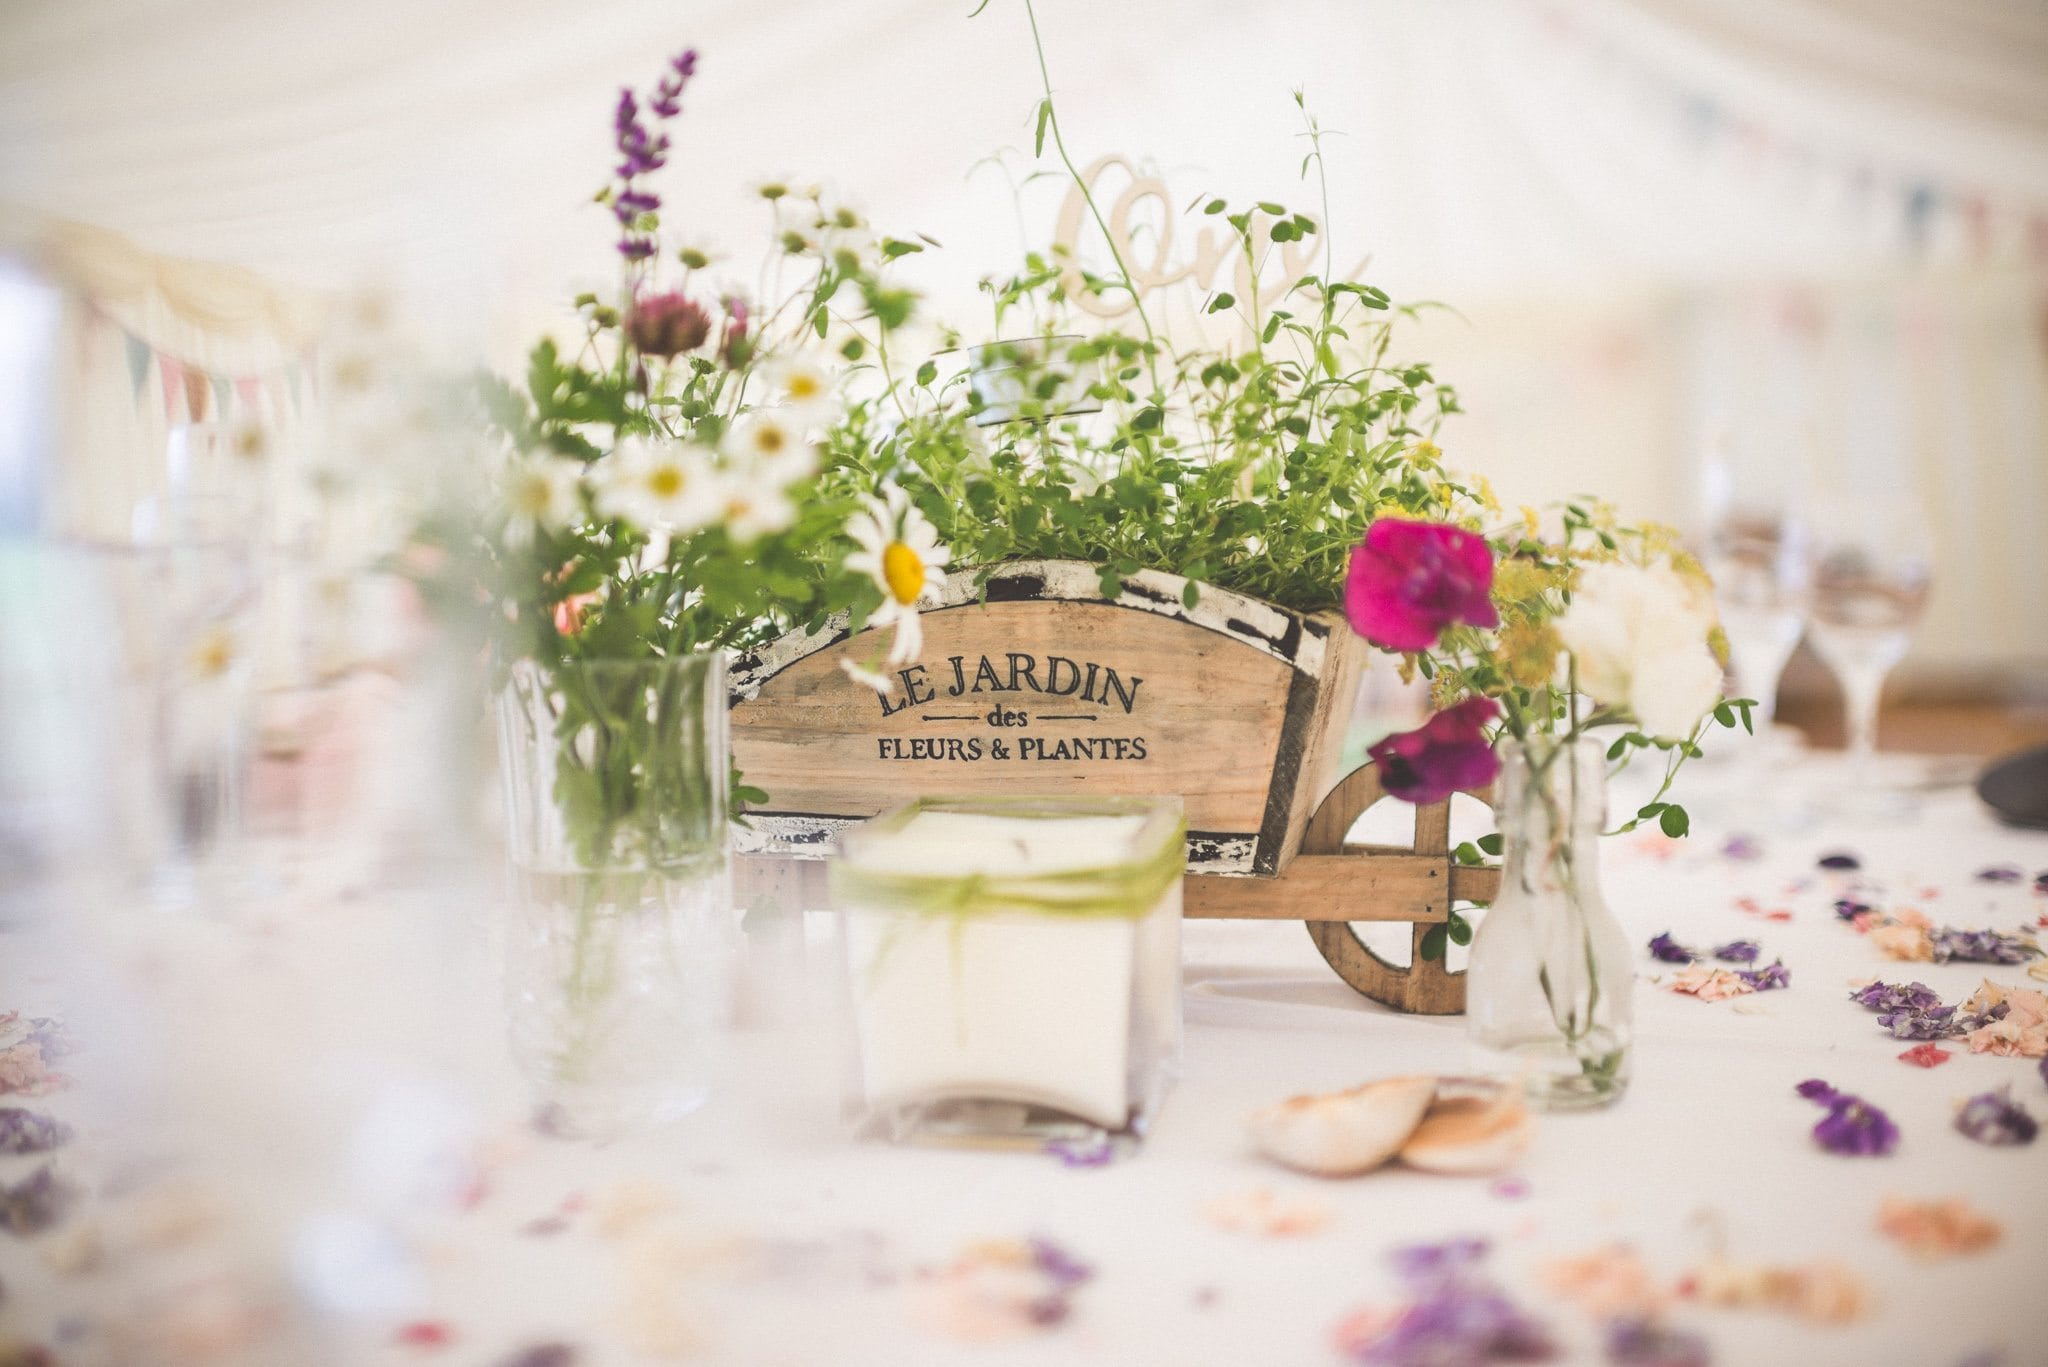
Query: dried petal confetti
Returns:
{"type": "Point", "coordinates": [26, 1131]}
{"type": "Point", "coordinates": [35, 1202]}
{"type": "Point", "coordinates": [2010, 1021]}
{"type": "Point", "coordinates": [1741, 847]}
{"type": "Point", "coordinates": [1001, 1290]}
{"type": "Point", "coordinates": [1766, 979]}
{"type": "Point", "coordinates": [1880, 996]}
{"type": "Point", "coordinates": [1455, 1314]}
{"type": "Point", "coordinates": [1840, 860]}
{"type": "Point", "coordinates": [1899, 940]}
{"type": "Point", "coordinates": [1852, 1125]}
{"type": "Point", "coordinates": [1824, 1291]}
{"type": "Point", "coordinates": [1646, 1343]}
{"type": "Point", "coordinates": [1938, 1229]}
{"type": "Point", "coordinates": [542, 1355]}
{"type": "Point", "coordinates": [1980, 947]}
{"type": "Point", "coordinates": [1668, 950]}
{"type": "Point", "coordinates": [1259, 1211]}
{"type": "Point", "coordinates": [1739, 952]}
{"type": "Point", "coordinates": [1710, 984]}
{"type": "Point", "coordinates": [425, 1334]}
{"type": "Point", "coordinates": [1999, 873]}
{"type": "Point", "coordinates": [27, 1046]}
{"type": "Point", "coordinates": [1605, 1283]}
{"type": "Point", "coordinates": [1096, 1151]}
{"type": "Point", "coordinates": [1926, 1056]}
{"type": "Point", "coordinates": [1849, 909]}
{"type": "Point", "coordinates": [1995, 1118]}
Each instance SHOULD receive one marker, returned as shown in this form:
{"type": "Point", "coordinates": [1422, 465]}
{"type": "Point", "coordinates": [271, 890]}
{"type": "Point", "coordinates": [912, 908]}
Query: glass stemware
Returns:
{"type": "Point", "coordinates": [1762, 567]}
{"type": "Point", "coordinates": [1871, 580]}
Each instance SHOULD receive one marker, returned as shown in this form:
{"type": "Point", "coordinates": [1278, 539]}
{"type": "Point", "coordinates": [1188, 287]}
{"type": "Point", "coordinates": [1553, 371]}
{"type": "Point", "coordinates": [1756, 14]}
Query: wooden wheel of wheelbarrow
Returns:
{"type": "Point", "coordinates": [1331, 883]}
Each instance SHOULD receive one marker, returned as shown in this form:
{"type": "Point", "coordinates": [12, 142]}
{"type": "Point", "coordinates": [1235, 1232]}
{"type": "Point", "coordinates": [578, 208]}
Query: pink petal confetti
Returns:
{"type": "Point", "coordinates": [1929, 1055]}
{"type": "Point", "coordinates": [1709, 984]}
{"type": "Point", "coordinates": [1509, 1188]}
{"type": "Point", "coordinates": [1259, 1211]}
{"type": "Point", "coordinates": [425, 1334]}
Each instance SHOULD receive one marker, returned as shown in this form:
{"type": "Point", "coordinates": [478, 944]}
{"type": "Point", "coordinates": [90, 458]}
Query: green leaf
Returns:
{"type": "Point", "coordinates": [1190, 594]}
{"type": "Point", "coordinates": [1433, 942]}
{"type": "Point", "coordinates": [1468, 853]}
{"type": "Point", "coordinates": [1459, 928]}
{"type": "Point", "coordinates": [1491, 843]}
{"type": "Point", "coordinates": [1614, 750]}
{"type": "Point", "coordinates": [1044, 117]}
{"type": "Point", "coordinates": [927, 372]}
{"type": "Point", "coordinates": [1222, 302]}
{"type": "Point", "coordinates": [1675, 822]}
{"type": "Point", "coordinates": [1214, 206]}
{"type": "Point", "coordinates": [1725, 715]}
{"type": "Point", "coordinates": [1650, 809]}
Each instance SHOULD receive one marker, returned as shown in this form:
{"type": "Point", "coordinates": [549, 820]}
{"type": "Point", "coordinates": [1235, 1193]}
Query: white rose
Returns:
{"type": "Point", "coordinates": [1639, 637]}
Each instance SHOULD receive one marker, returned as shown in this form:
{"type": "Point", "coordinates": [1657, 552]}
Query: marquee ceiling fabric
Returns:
{"type": "Point", "coordinates": [1486, 148]}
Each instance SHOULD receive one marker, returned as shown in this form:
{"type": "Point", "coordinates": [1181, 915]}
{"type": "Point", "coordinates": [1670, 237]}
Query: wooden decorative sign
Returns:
{"type": "Point", "coordinates": [1036, 683]}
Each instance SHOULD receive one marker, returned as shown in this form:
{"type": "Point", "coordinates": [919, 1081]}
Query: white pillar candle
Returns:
{"type": "Point", "coordinates": [1020, 952]}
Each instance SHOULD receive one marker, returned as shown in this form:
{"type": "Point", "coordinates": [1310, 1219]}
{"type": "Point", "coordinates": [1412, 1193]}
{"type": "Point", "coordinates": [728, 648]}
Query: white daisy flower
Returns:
{"type": "Point", "coordinates": [752, 505]}
{"type": "Point", "coordinates": [868, 678]}
{"type": "Point", "coordinates": [805, 387]}
{"type": "Point", "coordinates": [669, 485]}
{"type": "Point", "coordinates": [540, 494]}
{"type": "Point", "coordinates": [770, 442]}
{"type": "Point", "coordinates": [900, 551]}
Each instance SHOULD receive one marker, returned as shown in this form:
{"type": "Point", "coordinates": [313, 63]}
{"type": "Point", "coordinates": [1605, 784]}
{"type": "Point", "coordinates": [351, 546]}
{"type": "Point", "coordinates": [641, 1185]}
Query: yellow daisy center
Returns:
{"type": "Point", "coordinates": [804, 386]}
{"type": "Point", "coordinates": [530, 495]}
{"type": "Point", "coordinates": [213, 654]}
{"type": "Point", "coordinates": [665, 481]}
{"type": "Point", "coordinates": [769, 439]}
{"type": "Point", "coordinates": [903, 571]}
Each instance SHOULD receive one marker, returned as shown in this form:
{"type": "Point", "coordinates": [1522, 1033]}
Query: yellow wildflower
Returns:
{"type": "Point", "coordinates": [1426, 453]}
{"type": "Point", "coordinates": [1527, 653]}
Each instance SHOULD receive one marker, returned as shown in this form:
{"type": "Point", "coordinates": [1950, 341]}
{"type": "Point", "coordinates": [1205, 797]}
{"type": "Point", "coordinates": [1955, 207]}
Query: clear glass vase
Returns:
{"type": "Point", "coordinates": [619, 953]}
{"type": "Point", "coordinates": [1550, 982]}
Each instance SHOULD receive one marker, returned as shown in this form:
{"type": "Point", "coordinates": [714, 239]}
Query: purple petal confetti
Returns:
{"type": "Point", "coordinates": [1896, 996]}
{"type": "Point", "coordinates": [1633, 1341]}
{"type": "Point", "coordinates": [1739, 952]}
{"type": "Point", "coordinates": [1840, 860]}
{"type": "Point", "coordinates": [1670, 951]}
{"type": "Point", "coordinates": [35, 1202]}
{"type": "Point", "coordinates": [1766, 979]}
{"type": "Point", "coordinates": [543, 1355]}
{"type": "Point", "coordinates": [1995, 1118]}
{"type": "Point", "coordinates": [26, 1131]}
{"type": "Point", "coordinates": [1933, 1022]}
{"type": "Point", "coordinates": [1848, 908]}
{"type": "Point", "coordinates": [1457, 1315]}
{"type": "Point", "coordinates": [1980, 947]}
{"type": "Point", "coordinates": [2044, 1070]}
{"type": "Point", "coordinates": [1743, 847]}
{"type": "Point", "coordinates": [2000, 873]}
{"type": "Point", "coordinates": [1096, 1151]}
{"type": "Point", "coordinates": [1852, 1125]}
{"type": "Point", "coordinates": [1062, 1267]}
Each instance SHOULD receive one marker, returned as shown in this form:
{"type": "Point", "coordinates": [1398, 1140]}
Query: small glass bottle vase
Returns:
{"type": "Point", "coordinates": [1550, 982]}
{"type": "Point", "coordinates": [619, 951]}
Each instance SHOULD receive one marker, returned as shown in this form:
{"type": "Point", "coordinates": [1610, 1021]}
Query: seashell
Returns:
{"type": "Point", "coordinates": [1340, 1134]}
{"type": "Point", "coordinates": [1474, 1125]}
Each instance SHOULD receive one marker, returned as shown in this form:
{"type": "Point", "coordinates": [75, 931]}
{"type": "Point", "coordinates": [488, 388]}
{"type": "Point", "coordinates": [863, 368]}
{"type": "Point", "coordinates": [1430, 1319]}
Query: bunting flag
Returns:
{"type": "Point", "coordinates": [1931, 210]}
{"type": "Point", "coordinates": [192, 394]}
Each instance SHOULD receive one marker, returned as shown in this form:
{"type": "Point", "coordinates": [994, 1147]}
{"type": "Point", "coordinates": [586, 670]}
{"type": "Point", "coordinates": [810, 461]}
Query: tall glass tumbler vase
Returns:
{"type": "Point", "coordinates": [1549, 985]}
{"type": "Point", "coordinates": [619, 952]}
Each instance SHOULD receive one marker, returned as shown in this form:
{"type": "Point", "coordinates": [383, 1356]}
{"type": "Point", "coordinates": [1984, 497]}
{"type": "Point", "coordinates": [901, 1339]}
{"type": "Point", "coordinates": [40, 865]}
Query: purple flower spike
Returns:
{"type": "Point", "coordinates": [1839, 860]}
{"type": "Point", "coordinates": [1670, 951]}
{"type": "Point", "coordinates": [1636, 1342]}
{"type": "Point", "coordinates": [1999, 873]}
{"type": "Point", "coordinates": [1995, 1118]}
{"type": "Point", "coordinates": [1739, 952]}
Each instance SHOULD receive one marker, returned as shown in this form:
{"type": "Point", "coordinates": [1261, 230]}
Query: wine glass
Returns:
{"type": "Point", "coordinates": [1872, 572]}
{"type": "Point", "coordinates": [1761, 561]}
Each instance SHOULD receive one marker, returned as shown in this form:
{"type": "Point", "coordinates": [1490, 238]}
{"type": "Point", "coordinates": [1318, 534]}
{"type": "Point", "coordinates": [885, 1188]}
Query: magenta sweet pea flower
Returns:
{"type": "Point", "coordinates": [1446, 753]}
{"type": "Point", "coordinates": [1410, 580]}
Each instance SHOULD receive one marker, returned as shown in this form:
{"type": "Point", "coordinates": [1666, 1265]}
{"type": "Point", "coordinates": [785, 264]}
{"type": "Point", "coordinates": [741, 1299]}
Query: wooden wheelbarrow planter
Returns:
{"type": "Point", "coordinates": [1039, 684]}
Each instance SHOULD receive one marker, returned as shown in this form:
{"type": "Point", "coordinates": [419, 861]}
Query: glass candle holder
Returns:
{"type": "Point", "coordinates": [1016, 966]}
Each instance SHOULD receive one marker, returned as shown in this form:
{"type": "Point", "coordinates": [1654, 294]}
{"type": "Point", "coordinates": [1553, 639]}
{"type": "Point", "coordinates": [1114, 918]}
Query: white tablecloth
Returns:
{"type": "Point", "coordinates": [298, 1077]}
